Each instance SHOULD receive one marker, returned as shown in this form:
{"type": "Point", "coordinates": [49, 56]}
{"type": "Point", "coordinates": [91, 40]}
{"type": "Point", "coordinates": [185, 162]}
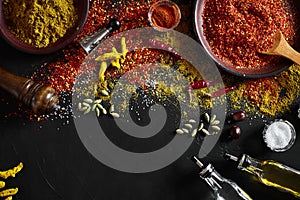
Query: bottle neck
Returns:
{"type": "Point", "coordinates": [212, 177]}
{"type": "Point", "coordinates": [250, 165]}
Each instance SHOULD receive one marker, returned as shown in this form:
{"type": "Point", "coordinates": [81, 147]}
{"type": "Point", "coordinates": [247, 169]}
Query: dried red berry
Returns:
{"type": "Point", "coordinates": [235, 132]}
{"type": "Point", "coordinates": [239, 116]}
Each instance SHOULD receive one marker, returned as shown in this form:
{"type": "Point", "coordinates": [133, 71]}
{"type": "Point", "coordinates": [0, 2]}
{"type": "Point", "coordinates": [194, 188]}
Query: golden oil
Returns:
{"type": "Point", "coordinates": [271, 173]}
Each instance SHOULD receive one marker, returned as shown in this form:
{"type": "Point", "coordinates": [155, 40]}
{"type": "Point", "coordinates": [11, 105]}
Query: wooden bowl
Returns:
{"type": "Point", "coordinates": [81, 7]}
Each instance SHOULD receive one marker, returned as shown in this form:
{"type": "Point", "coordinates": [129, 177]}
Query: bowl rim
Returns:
{"type": "Point", "coordinates": [70, 35]}
{"type": "Point", "coordinates": [249, 73]}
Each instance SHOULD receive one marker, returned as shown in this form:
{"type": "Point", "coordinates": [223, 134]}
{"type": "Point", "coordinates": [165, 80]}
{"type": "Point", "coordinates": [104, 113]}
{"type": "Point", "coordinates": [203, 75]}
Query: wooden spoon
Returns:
{"type": "Point", "coordinates": [281, 48]}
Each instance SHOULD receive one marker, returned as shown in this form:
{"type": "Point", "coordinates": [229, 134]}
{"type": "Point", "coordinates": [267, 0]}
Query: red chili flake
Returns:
{"type": "Point", "coordinates": [61, 74]}
{"type": "Point", "coordinates": [254, 89]}
{"type": "Point", "coordinates": [237, 30]}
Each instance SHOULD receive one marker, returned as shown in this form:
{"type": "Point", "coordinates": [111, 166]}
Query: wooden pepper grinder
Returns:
{"type": "Point", "coordinates": [40, 98]}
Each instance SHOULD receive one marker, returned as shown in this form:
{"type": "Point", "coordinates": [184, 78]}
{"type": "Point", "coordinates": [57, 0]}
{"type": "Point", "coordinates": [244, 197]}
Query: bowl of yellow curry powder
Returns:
{"type": "Point", "coordinates": [41, 26]}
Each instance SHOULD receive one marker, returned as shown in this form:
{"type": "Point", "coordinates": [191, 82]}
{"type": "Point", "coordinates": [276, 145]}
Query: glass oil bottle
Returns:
{"type": "Point", "coordinates": [223, 188]}
{"type": "Point", "coordinates": [270, 173]}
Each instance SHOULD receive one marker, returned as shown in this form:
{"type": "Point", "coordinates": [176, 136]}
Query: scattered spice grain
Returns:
{"type": "Point", "coordinates": [61, 73]}
{"type": "Point", "coordinates": [258, 96]}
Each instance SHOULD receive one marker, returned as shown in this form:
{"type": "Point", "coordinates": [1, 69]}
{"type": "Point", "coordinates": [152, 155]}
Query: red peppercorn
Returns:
{"type": "Point", "coordinates": [235, 132]}
{"type": "Point", "coordinates": [239, 116]}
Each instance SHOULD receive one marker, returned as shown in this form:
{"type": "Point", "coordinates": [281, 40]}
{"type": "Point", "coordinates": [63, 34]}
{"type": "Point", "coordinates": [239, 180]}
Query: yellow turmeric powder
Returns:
{"type": "Point", "coordinates": [284, 89]}
{"type": "Point", "coordinates": [39, 22]}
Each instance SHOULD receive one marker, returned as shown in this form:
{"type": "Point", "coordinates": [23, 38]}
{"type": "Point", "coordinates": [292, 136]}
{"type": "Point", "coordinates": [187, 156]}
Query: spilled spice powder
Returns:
{"type": "Point", "coordinates": [61, 73]}
{"type": "Point", "coordinates": [270, 96]}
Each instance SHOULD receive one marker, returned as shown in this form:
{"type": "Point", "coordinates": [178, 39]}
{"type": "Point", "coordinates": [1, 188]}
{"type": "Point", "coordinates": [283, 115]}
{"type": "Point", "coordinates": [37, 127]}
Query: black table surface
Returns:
{"type": "Point", "coordinates": [57, 165]}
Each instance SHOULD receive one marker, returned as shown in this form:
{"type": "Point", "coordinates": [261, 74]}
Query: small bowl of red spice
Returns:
{"type": "Point", "coordinates": [234, 32]}
{"type": "Point", "coordinates": [164, 15]}
{"type": "Point", "coordinates": [41, 27]}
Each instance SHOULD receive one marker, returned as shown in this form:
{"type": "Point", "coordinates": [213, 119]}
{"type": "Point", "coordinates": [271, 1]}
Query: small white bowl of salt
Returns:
{"type": "Point", "coordinates": [279, 135]}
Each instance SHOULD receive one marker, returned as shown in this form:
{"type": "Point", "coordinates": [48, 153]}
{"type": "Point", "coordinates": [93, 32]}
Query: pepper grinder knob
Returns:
{"type": "Point", "coordinates": [41, 99]}
{"type": "Point", "coordinates": [89, 42]}
{"type": "Point", "coordinates": [113, 25]}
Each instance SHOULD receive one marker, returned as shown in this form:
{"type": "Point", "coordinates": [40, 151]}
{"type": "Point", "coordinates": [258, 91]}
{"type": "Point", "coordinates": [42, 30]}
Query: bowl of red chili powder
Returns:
{"type": "Point", "coordinates": [164, 15]}
{"type": "Point", "coordinates": [41, 27]}
{"type": "Point", "coordinates": [233, 32]}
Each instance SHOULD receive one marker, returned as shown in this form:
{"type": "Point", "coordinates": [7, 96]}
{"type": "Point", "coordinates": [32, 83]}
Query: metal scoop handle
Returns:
{"type": "Point", "coordinates": [90, 42]}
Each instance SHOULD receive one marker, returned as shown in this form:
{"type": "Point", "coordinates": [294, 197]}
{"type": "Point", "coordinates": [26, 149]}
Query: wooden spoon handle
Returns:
{"type": "Point", "coordinates": [291, 54]}
{"type": "Point", "coordinates": [40, 98]}
{"type": "Point", "coordinates": [282, 48]}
